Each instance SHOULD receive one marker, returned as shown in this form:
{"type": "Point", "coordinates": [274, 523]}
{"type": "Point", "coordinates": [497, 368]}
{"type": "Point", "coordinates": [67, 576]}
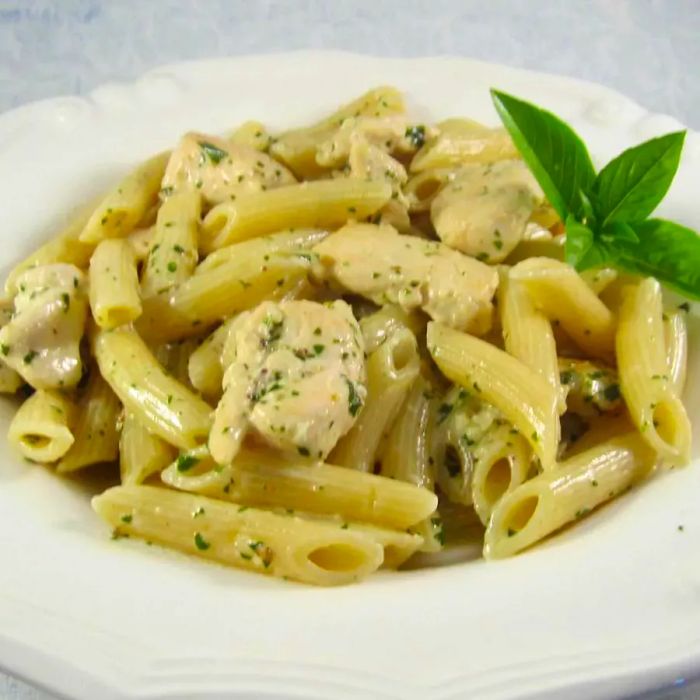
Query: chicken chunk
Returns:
{"type": "Point", "coordinates": [295, 374]}
{"type": "Point", "coordinates": [388, 268]}
{"type": "Point", "coordinates": [42, 340]}
{"type": "Point", "coordinates": [221, 169]}
{"type": "Point", "coordinates": [484, 211]}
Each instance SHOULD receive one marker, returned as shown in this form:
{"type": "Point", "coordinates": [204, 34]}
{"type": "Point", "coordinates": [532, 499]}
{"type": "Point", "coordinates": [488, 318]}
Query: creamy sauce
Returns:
{"type": "Point", "coordinates": [42, 340]}
{"type": "Point", "coordinates": [295, 374]}
{"type": "Point", "coordinates": [221, 170]}
{"type": "Point", "coordinates": [388, 268]}
{"type": "Point", "coordinates": [485, 209]}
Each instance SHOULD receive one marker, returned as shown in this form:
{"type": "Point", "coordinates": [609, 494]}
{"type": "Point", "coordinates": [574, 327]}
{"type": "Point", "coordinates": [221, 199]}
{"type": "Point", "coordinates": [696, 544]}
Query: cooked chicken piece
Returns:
{"type": "Point", "coordinates": [221, 169]}
{"type": "Point", "coordinates": [484, 211]}
{"type": "Point", "coordinates": [42, 340]}
{"type": "Point", "coordinates": [388, 268]}
{"type": "Point", "coordinates": [295, 374]}
{"type": "Point", "coordinates": [386, 133]}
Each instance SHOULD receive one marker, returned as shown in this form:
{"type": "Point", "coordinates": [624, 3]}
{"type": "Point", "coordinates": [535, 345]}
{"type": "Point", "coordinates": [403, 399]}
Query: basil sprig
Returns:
{"type": "Point", "coordinates": [606, 214]}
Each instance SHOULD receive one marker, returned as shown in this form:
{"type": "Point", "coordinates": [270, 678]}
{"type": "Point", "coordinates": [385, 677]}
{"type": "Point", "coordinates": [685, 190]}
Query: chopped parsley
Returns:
{"type": "Point", "coordinates": [172, 266]}
{"type": "Point", "coordinates": [354, 399]}
{"type": "Point", "coordinates": [612, 392]}
{"type": "Point", "coordinates": [5, 349]}
{"type": "Point", "coordinates": [303, 451]}
{"type": "Point", "coordinates": [199, 542]}
{"type": "Point", "coordinates": [416, 135]}
{"type": "Point", "coordinates": [127, 518]}
{"type": "Point", "coordinates": [443, 412]}
{"type": "Point", "coordinates": [186, 462]}
{"type": "Point", "coordinates": [214, 153]}
{"type": "Point", "coordinates": [65, 300]}
{"type": "Point", "coordinates": [29, 357]}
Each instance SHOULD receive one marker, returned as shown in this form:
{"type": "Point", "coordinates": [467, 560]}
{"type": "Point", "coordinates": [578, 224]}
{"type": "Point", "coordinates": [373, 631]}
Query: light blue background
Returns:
{"type": "Point", "coordinates": [648, 49]}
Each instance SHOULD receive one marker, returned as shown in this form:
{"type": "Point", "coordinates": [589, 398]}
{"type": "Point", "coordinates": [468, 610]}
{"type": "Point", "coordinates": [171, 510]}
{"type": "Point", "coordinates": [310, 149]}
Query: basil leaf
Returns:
{"type": "Point", "coordinates": [632, 185]}
{"type": "Point", "coordinates": [552, 150]}
{"type": "Point", "coordinates": [579, 239]}
{"type": "Point", "coordinates": [620, 231]}
{"type": "Point", "coordinates": [667, 251]}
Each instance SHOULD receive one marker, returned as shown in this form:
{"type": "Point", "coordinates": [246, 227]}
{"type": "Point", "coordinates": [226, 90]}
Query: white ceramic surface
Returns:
{"type": "Point", "coordinates": [609, 608]}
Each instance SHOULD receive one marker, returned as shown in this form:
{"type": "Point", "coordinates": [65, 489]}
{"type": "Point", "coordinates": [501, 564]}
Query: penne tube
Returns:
{"type": "Point", "coordinates": [175, 358]}
{"type": "Point", "coordinates": [205, 368]}
{"type": "Point", "coordinates": [546, 503]}
{"type": "Point", "coordinates": [655, 408]}
{"type": "Point", "coordinates": [321, 204]}
{"type": "Point", "coordinates": [599, 279]}
{"type": "Point", "coordinates": [501, 463]}
{"type": "Point", "coordinates": [527, 334]}
{"type": "Point", "coordinates": [297, 148]}
{"type": "Point", "coordinates": [10, 380]}
{"type": "Point", "coordinates": [114, 284]}
{"type": "Point", "coordinates": [140, 241]}
{"type": "Point", "coordinates": [406, 456]}
{"type": "Point", "coordinates": [173, 255]}
{"type": "Point", "coordinates": [293, 241]}
{"type": "Point", "coordinates": [95, 429]}
{"type": "Point", "coordinates": [461, 141]}
{"type": "Point", "coordinates": [162, 404]}
{"type": "Point", "coordinates": [391, 370]}
{"type": "Point", "coordinates": [266, 478]}
{"type": "Point", "coordinates": [141, 454]}
{"type": "Point", "coordinates": [378, 326]}
{"type": "Point", "coordinates": [118, 214]}
{"type": "Point", "coordinates": [253, 134]}
{"type": "Point", "coordinates": [421, 189]}
{"type": "Point", "coordinates": [257, 540]}
{"type": "Point", "coordinates": [41, 428]}
{"type": "Point", "coordinates": [676, 341]}
{"type": "Point", "coordinates": [523, 397]}
{"type": "Point", "coordinates": [557, 290]}
{"type": "Point", "coordinates": [208, 298]}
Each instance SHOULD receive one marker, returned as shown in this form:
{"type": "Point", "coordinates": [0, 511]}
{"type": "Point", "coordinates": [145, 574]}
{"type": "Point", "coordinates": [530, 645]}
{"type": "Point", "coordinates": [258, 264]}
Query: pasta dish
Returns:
{"type": "Point", "coordinates": [340, 348]}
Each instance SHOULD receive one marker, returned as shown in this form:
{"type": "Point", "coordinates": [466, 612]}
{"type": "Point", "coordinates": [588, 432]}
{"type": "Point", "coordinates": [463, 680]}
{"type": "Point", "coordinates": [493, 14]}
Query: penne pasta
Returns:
{"type": "Point", "coordinates": [501, 463]}
{"type": "Point", "coordinates": [278, 545]}
{"type": "Point", "coordinates": [297, 148]}
{"type": "Point", "coordinates": [461, 141]}
{"type": "Point", "coordinates": [289, 344]}
{"type": "Point", "coordinates": [173, 256]}
{"type": "Point", "coordinates": [558, 291]}
{"type": "Point", "coordinates": [527, 334]}
{"type": "Point", "coordinates": [163, 405]}
{"type": "Point", "coordinates": [655, 408]}
{"type": "Point", "coordinates": [95, 429]}
{"type": "Point", "coordinates": [321, 204]}
{"type": "Point", "coordinates": [208, 298]}
{"type": "Point", "coordinates": [118, 214]}
{"type": "Point", "coordinates": [546, 503]}
{"type": "Point", "coordinates": [41, 428]}
{"type": "Point", "coordinates": [114, 284]}
{"type": "Point", "coordinates": [141, 454]}
{"type": "Point", "coordinates": [267, 479]}
{"type": "Point", "coordinates": [523, 397]}
{"type": "Point", "coordinates": [676, 341]}
{"type": "Point", "coordinates": [205, 368]}
{"type": "Point", "coordinates": [251, 134]}
{"type": "Point", "coordinates": [391, 369]}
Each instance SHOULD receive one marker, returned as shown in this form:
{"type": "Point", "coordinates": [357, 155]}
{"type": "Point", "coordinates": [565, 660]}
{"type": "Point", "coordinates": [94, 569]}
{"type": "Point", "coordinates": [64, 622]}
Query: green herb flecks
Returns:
{"type": "Point", "coordinates": [214, 153]}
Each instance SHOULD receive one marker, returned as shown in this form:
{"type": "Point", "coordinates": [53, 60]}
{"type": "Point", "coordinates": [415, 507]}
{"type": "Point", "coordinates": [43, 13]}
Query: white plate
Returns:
{"type": "Point", "coordinates": [608, 608]}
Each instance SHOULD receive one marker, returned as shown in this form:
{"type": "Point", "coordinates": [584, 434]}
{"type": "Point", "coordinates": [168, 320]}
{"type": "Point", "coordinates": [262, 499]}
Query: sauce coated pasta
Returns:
{"type": "Point", "coordinates": [300, 353]}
